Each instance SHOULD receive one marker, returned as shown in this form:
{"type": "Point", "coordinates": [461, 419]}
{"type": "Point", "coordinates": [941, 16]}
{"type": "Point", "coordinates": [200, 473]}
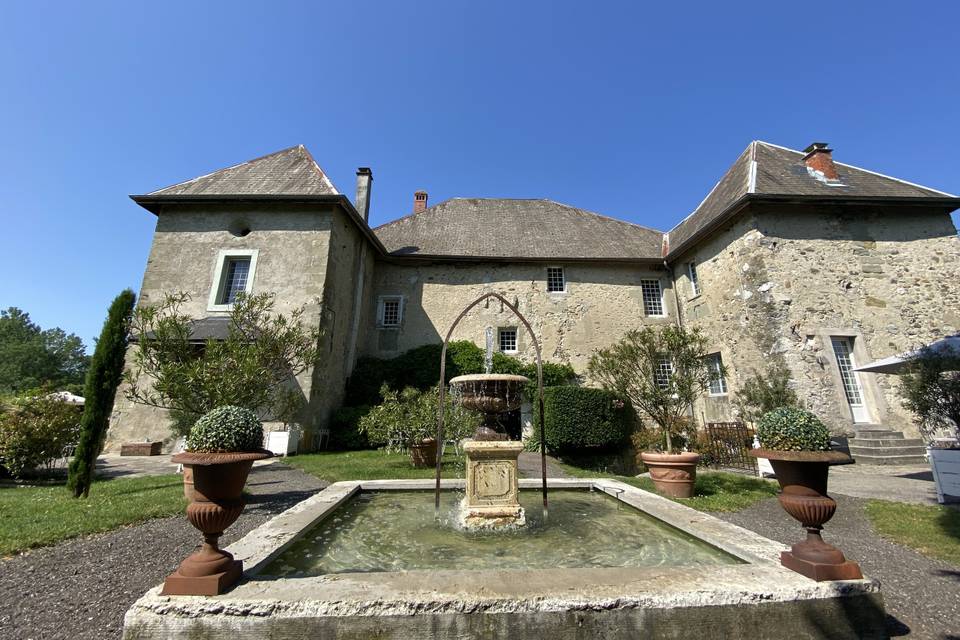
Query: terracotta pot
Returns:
{"type": "Point", "coordinates": [803, 479]}
{"type": "Point", "coordinates": [673, 474]}
{"type": "Point", "coordinates": [424, 454]}
{"type": "Point", "coordinates": [213, 483]}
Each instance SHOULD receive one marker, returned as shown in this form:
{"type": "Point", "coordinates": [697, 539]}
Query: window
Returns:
{"type": "Point", "coordinates": [555, 280]}
{"type": "Point", "coordinates": [694, 281]}
{"type": "Point", "coordinates": [508, 339]}
{"type": "Point", "coordinates": [233, 275]}
{"type": "Point", "coordinates": [663, 372]}
{"type": "Point", "coordinates": [652, 297]}
{"type": "Point", "coordinates": [718, 385]}
{"type": "Point", "coordinates": [390, 311]}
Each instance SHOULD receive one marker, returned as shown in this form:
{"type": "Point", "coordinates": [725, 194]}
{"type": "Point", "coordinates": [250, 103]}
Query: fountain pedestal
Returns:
{"type": "Point", "coordinates": [492, 486]}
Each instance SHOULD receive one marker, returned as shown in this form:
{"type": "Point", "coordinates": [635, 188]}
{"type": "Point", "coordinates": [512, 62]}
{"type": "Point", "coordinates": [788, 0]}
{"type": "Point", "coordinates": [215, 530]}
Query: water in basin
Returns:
{"type": "Point", "coordinates": [397, 531]}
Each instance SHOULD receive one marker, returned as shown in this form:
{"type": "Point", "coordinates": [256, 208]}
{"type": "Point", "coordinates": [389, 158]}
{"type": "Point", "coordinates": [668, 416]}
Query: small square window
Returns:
{"type": "Point", "coordinates": [236, 272]}
{"type": "Point", "coordinates": [391, 311]}
{"type": "Point", "coordinates": [694, 279]}
{"type": "Point", "coordinates": [718, 385]}
{"type": "Point", "coordinates": [652, 297]}
{"type": "Point", "coordinates": [662, 373]}
{"type": "Point", "coordinates": [555, 280]}
{"type": "Point", "coordinates": [233, 275]}
{"type": "Point", "coordinates": [508, 339]}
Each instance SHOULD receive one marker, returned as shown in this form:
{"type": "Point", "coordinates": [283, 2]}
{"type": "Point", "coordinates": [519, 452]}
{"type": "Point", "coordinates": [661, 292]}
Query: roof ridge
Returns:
{"type": "Point", "coordinates": [323, 174]}
{"type": "Point", "coordinates": [714, 188]}
{"type": "Point", "coordinates": [233, 166]}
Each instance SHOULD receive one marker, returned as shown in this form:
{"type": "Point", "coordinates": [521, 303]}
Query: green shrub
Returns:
{"type": "Point", "coordinates": [345, 434]}
{"type": "Point", "coordinates": [578, 418]}
{"type": "Point", "coordinates": [764, 392]}
{"type": "Point", "coordinates": [224, 429]}
{"type": "Point", "coordinates": [34, 430]}
{"type": "Point", "coordinates": [420, 368]}
{"type": "Point", "coordinates": [792, 429]}
{"type": "Point", "coordinates": [410, 417]}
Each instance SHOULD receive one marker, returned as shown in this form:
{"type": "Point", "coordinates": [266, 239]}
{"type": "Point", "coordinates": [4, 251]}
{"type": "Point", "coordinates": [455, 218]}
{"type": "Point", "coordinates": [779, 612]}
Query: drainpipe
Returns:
{"type": "Point", "coordinates": [676, 302]}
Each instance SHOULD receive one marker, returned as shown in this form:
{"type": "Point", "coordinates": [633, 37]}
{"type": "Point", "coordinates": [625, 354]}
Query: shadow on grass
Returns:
{"type": "Point", "coordinates": [949, 522]}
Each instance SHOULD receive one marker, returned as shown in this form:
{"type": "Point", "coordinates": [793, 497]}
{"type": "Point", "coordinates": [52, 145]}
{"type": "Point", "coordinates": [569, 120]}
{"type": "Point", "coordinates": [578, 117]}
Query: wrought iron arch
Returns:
{"type": "Point", "coordinates": [443, 389]}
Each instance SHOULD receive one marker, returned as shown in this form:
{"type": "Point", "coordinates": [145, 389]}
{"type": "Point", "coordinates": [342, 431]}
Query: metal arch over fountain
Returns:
{"type": "Point", "coordinates": [487, 432]}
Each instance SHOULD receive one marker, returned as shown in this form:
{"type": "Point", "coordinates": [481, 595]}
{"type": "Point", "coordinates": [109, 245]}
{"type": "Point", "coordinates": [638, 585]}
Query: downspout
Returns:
{"type": "Point", "coordinates": [676, 302]}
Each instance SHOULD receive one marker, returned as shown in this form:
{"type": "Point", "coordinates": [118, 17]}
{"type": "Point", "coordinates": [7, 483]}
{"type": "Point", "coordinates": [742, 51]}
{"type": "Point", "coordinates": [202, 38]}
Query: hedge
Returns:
{"type": "Point", "coordinates": [579, 418]}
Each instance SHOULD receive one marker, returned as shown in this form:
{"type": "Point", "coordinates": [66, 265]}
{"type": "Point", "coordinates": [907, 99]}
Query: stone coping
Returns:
{"type": "Point", "coordinates": [760, 579]}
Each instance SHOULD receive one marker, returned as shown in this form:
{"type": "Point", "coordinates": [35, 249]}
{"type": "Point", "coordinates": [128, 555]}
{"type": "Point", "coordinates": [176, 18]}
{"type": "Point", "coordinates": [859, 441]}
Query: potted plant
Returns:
{"type": "Point", "coordinates": [797, 444]}
{"type": "Point", "coordinates": [662, 371]}
{"type": "Point", "coordinates": [221, 448]}
{"type": "Point", "coordinates": [931, 390]}
{"type": "Point", "coordinates": [407, 421]}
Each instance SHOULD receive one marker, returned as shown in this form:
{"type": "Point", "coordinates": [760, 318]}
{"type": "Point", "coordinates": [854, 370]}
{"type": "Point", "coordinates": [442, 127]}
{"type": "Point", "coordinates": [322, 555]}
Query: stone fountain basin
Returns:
{"type": "Point", "coordinates": [756, 597]}
{"type": "Point", "coordinates": [490, 392]}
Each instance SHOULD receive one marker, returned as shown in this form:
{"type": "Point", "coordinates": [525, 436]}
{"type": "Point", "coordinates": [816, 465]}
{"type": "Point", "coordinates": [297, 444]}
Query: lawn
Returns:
{"type": "Point", "coordinates": [334, 466]}
{"type": "Point", "coordinates": [35, 516]}
{"type": "Point", "coordinates": [932, 530]}
{"type": "Point", "coordinates": [715, 490]}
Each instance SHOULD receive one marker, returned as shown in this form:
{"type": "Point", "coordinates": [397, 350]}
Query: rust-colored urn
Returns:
{"type": "Point", "coordinates": [213, 483]}
{"type": "Point", "coordinates": [423, 454]}
{"type": "Point", "coordinates": [673, 474]}
{"type": "Point", "coordinates": [803, 479]}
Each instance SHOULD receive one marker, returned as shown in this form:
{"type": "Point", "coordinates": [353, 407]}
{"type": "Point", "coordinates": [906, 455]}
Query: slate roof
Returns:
{"type": "Point", "coordinates": [203, 329]}
{"type": "Point", "coordinates": [769, 170]}
{"type": "Point", "coordinates": [493, 228]}
{"type": "Point", "coordinates": [291, 171]}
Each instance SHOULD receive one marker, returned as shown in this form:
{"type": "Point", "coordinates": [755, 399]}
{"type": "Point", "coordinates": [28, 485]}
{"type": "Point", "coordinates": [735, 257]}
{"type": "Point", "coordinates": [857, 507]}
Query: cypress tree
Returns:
{"type": "Point", "coordinates": [103, 378]}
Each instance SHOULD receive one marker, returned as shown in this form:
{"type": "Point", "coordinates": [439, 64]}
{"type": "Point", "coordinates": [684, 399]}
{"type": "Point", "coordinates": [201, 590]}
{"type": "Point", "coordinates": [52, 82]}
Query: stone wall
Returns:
{"type": "Point", "coordinates": [601, 303]}
{"type": "Point", "coordinates": [293, 243]}
{"type": "Point", "coordinates": [779, 282]}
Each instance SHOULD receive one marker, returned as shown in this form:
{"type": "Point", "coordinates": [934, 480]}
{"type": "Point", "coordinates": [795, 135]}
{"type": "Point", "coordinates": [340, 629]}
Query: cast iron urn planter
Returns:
{"type": "Point", "coordinates": [213, 483]}
{"type": "Point", "coordinates": [803, 482]}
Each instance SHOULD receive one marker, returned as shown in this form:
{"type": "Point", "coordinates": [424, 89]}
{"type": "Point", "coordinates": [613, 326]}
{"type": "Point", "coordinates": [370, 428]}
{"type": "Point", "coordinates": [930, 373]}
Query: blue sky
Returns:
{"type": "Point", "coordinates": [630, 109]}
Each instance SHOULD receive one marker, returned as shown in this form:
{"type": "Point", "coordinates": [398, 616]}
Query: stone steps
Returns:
{"type": "Point", "coordinates": [876, 445]}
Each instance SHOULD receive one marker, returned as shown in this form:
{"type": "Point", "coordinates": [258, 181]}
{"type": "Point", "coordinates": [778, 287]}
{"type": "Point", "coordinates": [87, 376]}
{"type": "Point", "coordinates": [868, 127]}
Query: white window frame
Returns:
{"type": "Point", "coordinates": [694, 278]}
{"type": "Point", "coordinates": [563, 278]}
{"type": "Point", "coordinates": [643, 296]}
{"type": "Point", "coordinates": [715, 361]}
{"type": "Point", "coordinates": [382, 310]}
{"type": "Point", "coordinates": [516, 340]}
{"type": "Point", "coordinates": [219, 274]}
{"type": "Point", "coordinates": [663, 363]}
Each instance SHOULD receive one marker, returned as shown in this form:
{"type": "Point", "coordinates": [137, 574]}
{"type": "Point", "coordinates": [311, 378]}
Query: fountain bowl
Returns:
{"type": "Point", "coordinates": [490, 392]}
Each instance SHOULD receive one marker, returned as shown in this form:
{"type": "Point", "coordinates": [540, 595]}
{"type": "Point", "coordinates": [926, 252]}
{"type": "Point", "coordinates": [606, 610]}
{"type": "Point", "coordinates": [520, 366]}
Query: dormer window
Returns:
{"type": "Point", "coordinates": [233, 275]}
{"type": "Point", "coordinates": [556, 283]}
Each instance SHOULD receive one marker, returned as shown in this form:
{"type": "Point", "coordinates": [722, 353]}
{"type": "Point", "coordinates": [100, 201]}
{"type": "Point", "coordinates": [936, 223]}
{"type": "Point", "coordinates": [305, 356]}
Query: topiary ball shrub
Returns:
{"type": "Point", "coordinates": [226, 429]}
{"type": "Point", "coordinates": [579, 418]}
{"type": "Point", "coordinates": [792, 429]}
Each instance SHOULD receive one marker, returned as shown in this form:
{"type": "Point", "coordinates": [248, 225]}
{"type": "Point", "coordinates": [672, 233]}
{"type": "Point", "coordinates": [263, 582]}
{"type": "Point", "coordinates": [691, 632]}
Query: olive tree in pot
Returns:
{"type": "Point", "coordinates": [797, 444]}
{"type": "Point", "coordinates": [221, 448]}
{"type": "Point", "coordinates": [662, 371]}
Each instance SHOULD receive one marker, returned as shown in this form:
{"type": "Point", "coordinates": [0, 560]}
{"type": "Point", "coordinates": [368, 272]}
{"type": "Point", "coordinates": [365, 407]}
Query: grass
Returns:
{"type": "Point", "coordinates": [36, 516]}
{"type": "Point", "coordinates": [934, 531]}
{"type": "Point", "coordinates": [715, 491]}
{"type": "Point", "coordinates": [334, 466]}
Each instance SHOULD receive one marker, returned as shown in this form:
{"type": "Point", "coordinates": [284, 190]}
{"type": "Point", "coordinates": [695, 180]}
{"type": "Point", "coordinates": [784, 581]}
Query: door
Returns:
{"type": "Point", "coordinates": [852, 389]}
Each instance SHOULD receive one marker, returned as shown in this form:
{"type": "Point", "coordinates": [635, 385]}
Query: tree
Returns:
{"type": "Point", "coordinates": [103, 378]}
{"type": "Point", "coordinates": [253, 367]}
{"type": "Point", "coordinates": [32, 358]}
{"type": "Point", "coordinates": [931, 390]}
{"type": "Point", "coordinates": [764, 392]}
{"type": "Point", "coordinates": [661, 370]}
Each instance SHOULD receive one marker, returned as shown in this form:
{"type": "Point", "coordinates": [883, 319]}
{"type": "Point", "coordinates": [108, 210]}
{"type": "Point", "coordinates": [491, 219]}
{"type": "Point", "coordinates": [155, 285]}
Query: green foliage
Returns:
{"type": "Point", "coordinates": [254, 367]}
{"type": "Point", "coordinates": [931, 390]}
{"type": "Point", "coordinates": [629, 369]}
{"type": "Point", "coordinates": [345, 431]}
{"type": "Point", "coordinates": [933, 531]}
{"type": "Point", "coordinates": [103, 378]}
{"type": "Point", "coordinates": [410, 417]}
{"type": "Point", "coordinates": [34, 429]}
{"type": "Point", "coordinates": [578, 418]}
{"type": "Point", "coordinates": [792, 429]}
{"type": "Point", "coordinates": [226, 429]}
{"type": "Point", "coordinates": [420, 368]}
{"type": "Point", "coordinates": [764, 392]}
{"type": "Point", "coordinates": [31, 357]}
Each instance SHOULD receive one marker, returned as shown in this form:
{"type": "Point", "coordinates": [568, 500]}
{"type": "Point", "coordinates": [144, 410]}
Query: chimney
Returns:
{"type": "Point", "coordinates": [819, 158]}
{"type": "Point", "coordinates": [364, 182]}
{"type": "Point", "coordinates": [419, 201]}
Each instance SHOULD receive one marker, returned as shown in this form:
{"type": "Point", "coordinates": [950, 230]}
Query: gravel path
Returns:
{"type": "Point", "coordinates": [922, 596]}
{"type": "Point", "coordinates": [80, 589]}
